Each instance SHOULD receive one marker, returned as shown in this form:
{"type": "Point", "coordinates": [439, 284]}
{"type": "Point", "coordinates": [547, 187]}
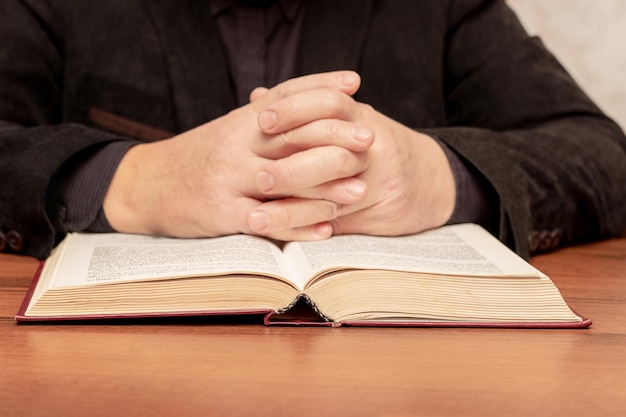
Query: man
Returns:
{"type": "Point", "coordinates": [133, 116]}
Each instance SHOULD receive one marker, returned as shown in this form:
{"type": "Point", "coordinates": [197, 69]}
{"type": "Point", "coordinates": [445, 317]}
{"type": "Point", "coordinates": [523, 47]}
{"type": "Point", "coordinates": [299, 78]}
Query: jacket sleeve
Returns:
{"type": "Point", "coordinates": [556, 162]}
{"type": "Point", "coordinates": [34, 143]}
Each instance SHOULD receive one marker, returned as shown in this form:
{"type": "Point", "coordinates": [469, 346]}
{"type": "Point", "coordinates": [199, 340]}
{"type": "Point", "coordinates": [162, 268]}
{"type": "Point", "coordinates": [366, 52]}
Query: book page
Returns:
{"type": "Point", "coordinates": [465, 249]}
{"type": "Point", "coordinates": [116, 257]}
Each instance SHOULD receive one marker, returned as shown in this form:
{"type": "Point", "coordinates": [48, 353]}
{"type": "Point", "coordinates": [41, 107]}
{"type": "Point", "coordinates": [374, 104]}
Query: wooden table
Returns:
{"type": "Point", "coordinates": [201, 369]}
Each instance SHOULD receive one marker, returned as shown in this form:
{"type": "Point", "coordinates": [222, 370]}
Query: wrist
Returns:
{"type": "Point", "coordinates": [124, 203]}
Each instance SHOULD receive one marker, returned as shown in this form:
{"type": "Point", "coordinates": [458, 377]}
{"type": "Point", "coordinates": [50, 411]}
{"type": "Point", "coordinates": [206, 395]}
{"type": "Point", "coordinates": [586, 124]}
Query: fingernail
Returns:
{"type": "Point", "coordinates": [362, 134]}
{"type": "Point", "coordinates": [355, 188]}
{"type": "Point", "coordinates": [348, 79]}
{"type": "Point", "coordinates": [267, 120]}
{"type": "Point", "coordinates": [259, 221]}
{"type": "Point", "coordinates": [324, 230]}
{"type": "Point", "coordinates": [265, 181]}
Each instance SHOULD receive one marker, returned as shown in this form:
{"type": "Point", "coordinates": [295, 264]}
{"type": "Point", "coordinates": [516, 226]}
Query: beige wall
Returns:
{"type": "Point", "coordinates": [589, 38]}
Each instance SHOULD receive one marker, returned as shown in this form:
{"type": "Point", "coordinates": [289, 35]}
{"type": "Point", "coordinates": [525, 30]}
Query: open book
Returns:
{"type": "Point", "coordinates": [457, 275]}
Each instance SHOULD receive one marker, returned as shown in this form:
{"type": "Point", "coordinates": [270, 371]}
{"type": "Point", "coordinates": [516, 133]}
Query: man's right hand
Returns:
{"type": "Point", "coordinates": [202, 182]}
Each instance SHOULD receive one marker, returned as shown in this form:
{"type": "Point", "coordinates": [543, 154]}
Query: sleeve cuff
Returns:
{"type": "Point", "coordinates": [85, 184]}
{"type": "Point", "coordinates": [476, 200]}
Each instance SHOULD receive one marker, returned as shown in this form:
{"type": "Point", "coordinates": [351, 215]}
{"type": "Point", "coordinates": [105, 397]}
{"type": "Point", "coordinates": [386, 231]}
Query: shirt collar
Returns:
{"type": "Point", "coordinates": [288, 7]}
{"type": "Point", "coordinates": [219, 6]}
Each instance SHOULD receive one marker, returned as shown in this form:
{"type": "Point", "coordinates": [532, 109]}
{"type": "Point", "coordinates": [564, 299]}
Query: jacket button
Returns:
{"type": "Point", "coordinates": [62, 213]}
{"type": "Point", "coordinates": [556, 235]}
{"type": "Point", "coordinates": [533, 241]}
{"type": "Point", "coordinates": [3, 242]}
{"type": "Point", "coordinates": [15, 241]}
{"type": "Point", "coordinates": [545, 241]}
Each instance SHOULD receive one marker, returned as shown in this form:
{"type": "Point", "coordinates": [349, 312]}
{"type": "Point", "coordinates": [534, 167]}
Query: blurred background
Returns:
{"type": "Point", "coordinates": [588, 37]}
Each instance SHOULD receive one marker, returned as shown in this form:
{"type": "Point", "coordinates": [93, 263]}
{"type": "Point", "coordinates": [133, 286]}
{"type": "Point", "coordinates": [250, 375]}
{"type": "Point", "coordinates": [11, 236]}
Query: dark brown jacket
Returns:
{"type": "Point", "coordinates": [463, 70]}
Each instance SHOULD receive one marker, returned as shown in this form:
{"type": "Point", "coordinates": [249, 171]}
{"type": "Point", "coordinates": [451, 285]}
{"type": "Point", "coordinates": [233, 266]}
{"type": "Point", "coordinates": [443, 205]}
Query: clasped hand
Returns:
{"type": "Point", "coordinates": [302, 161]}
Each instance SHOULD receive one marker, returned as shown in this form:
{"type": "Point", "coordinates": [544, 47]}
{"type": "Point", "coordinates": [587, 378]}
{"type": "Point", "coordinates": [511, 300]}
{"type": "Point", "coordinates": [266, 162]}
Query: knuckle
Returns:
{"type": "Point", "coordinates": [366, 107]}
{"type": "Point", "coordinates": [286, 176]}
{"type": "Point", "coordinates": [343, 161]}
{"type": "Point", "coordinates": [284, 89]}
{"type": "Point", "coordinates": [333, 101]}
{"type": "Point", "coordinates": [330, 210]}
{"type": "Point", "coordinates": [338, 225]}
{"type": "Point", "coordinates": [332, 129]}
{"type": "Point", "coordinates": [284, 139]}
{"type": "Point", "coordinates": [284, 217]}
{"type": "Point", "coordinates": [293, 106]}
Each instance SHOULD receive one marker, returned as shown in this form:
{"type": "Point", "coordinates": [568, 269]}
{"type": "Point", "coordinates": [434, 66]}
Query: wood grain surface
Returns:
{"type": "Point", "coordinates": [203, 368]}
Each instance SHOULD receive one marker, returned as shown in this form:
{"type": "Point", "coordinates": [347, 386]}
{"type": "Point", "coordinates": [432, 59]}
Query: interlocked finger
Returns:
{"type": "Point", "coordinates": [308, 169]}
{"type": "Point", "coordinates": [328, 132]}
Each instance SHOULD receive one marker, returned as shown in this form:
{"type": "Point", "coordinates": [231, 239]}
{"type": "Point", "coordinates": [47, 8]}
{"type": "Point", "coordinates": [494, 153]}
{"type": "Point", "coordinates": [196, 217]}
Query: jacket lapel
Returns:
{"type": "Point", "coordinates": [333, 33]}
{"type": "Point", "coordinates": [193, 53]}
{"type": "Point", "coordinates": [332, 37]}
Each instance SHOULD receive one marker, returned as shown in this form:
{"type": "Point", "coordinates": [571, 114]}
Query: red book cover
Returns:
{"type": "Point", "coordinates": [301, 313]}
